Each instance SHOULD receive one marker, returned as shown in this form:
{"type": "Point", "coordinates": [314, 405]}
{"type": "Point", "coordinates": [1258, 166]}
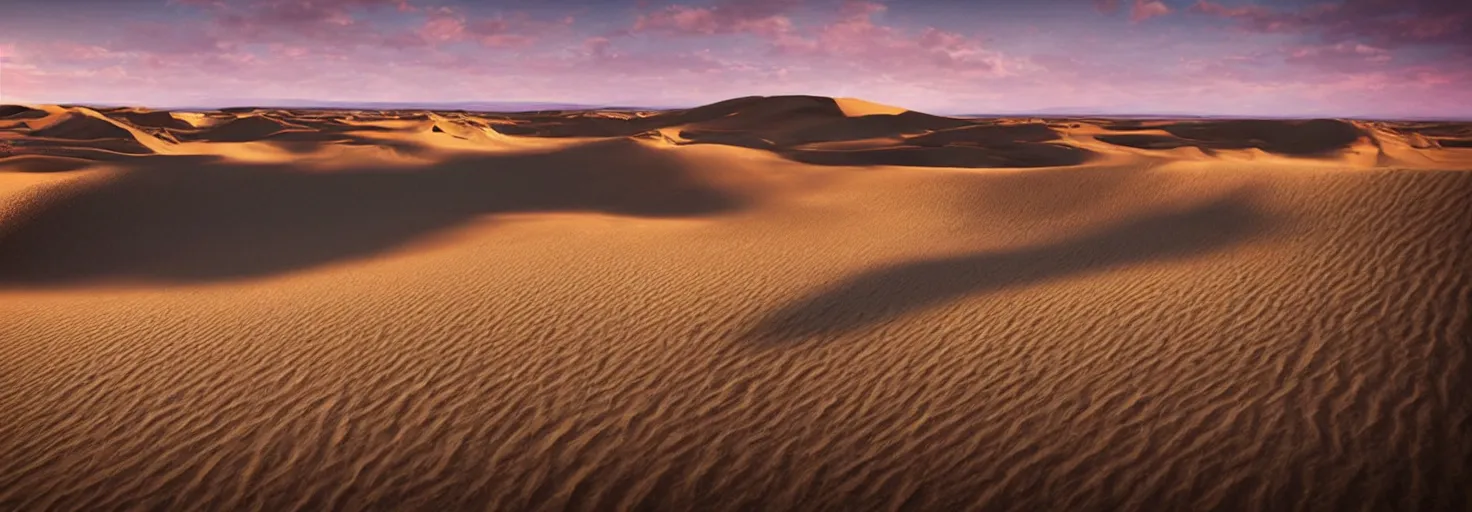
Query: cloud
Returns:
{"type": "Point", "coordinates": [333, 28]}
{"type": "Point", "coordinates": [1379, 22]}
{"type": "Point", "coordinates": [1146, 9]}
{"type": "Point", "coordinates": [447, 25]}
{"type": "Point", "coordinates": [1260, 18]}
{"type": "Point", "coordinates": [1140, 10]}
{"type": "Point", "coordinates": [1344, 56]}
{"type": "Point", "coordinates": [766, 17]}
{"type": "Point", "coordinates": [851, 44]}
{"type": "Point", "coordinates": [858, 39]}
{"type": "Point", "coordinates": [169, 39]}
{"type": "Point", "coordinates": [254, 48]}
{"type": "Point", "coordinates": [327, 24]}
{"type": "Point", "coordinates": [442, 26]}
{"type": "Point", "coordinates": [337, 26]}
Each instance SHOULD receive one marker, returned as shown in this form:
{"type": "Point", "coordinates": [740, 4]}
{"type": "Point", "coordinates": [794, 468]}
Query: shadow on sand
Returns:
{"type": "Point", "coordinates": [1311, 138]}
{"type": "Point", "coordinates": [186, 219]}
{"type": "Point", "coordinates": [880, 295]}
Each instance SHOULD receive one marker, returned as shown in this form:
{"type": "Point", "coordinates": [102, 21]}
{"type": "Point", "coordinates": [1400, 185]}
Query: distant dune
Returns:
{"type": "Point", "coordinates": [477, 106]}
{"type": "Point", "coordinates": [767, 303]}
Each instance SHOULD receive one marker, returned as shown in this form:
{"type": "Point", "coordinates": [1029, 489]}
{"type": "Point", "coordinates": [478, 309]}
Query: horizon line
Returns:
{"type": "Point", "coordinates": [468, 106]}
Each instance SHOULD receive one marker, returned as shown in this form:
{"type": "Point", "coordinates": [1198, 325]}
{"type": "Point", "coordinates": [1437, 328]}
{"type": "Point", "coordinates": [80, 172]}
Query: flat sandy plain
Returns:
{"type": "Point", "coordinates": [783, 303]}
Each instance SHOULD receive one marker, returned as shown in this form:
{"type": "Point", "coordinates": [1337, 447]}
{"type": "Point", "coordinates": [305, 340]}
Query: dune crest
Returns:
{"type": "Point", "coordinates": [854, 107]}
{"type": "Point", "coordinates": [806, 129]}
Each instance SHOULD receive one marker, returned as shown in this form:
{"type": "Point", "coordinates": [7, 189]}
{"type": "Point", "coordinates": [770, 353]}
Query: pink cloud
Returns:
{"type": "Point", "coordinates": [329, 25]}
{"type": "Point", "coordinates": [767, 17]}
{"type": "Point", "coordinates": [1140, 10]}
{"type": "Point", "coordinates": [601, 55]}
{"type": "Point", "coordinates": [334, 28]}
{"type": "Point", "coordinates": [597, 46]}
{"type": "Point", "coordinates": [856, 36]}
{"type": "Point", "coordinates": [68, 52]}
{"type": "Point", "coordinates": [1261, 19]}
{"type": "Point", "coordinates": [445, 25]}
{"type": "Point", "coordinates": [1381, 22]}
{"type": "Point", "coordinates": [1146, 9]}
{"type": "Point", "coordinates": [1345, 56]}
{"type": "Point", "coordinates": [251, 48]}
{"type": "Point", "coordinates": [442, 26]}
{"type": "Point", "coordinates": [261, 14]}
{"type": "Point", "coordinates": [289, 51]}
{"type": "Point", "coordinates": [851, 39]}
{"type": "Point", "coordinates": [1439, 77]}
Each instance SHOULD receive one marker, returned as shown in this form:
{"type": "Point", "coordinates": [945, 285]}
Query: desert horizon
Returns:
{"type": "Point", "coordinates": [534, 107]}
{"type": "Point", "coordinates": [765, 303]}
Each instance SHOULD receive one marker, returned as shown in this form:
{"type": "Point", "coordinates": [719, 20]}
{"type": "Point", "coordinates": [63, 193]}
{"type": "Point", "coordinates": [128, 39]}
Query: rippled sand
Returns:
{"type": "Point", "coordinates": [764, 304]}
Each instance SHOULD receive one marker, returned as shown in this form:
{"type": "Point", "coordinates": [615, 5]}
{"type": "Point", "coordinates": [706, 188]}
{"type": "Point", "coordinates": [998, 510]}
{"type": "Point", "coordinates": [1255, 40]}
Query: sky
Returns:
{"type": "Point", "coordinates": [1271, 58]}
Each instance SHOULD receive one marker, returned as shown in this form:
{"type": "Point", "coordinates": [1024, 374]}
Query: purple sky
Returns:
{"type": "Point", "coordinates": [1384, 58]}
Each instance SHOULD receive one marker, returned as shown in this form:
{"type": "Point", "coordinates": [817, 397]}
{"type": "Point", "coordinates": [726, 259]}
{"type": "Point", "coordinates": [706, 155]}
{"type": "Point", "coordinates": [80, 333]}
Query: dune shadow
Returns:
{"type": "Point", "coordinates": [875, 297]}
{"type": "Point", "coordinates": [1021, 154]}
{"type": "Point", "coordinates": [41, 163]}
{"type": "Point", "coordinates": [1311, 138]}
{"type": "Point", "coordinates": [186, 219]}
{"type": "Point", "coordinates": [16, 112]}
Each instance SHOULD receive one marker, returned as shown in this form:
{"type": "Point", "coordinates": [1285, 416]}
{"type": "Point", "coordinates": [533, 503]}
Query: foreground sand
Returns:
{"type": "Point", "coordinates": [768, 303]}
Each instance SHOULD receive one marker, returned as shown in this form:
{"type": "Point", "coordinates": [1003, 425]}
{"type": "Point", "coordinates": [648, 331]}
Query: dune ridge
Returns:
{"type": "Point", "coordinates": [809, 129]}
{"type": "Point", "coordinates": [783, 303]}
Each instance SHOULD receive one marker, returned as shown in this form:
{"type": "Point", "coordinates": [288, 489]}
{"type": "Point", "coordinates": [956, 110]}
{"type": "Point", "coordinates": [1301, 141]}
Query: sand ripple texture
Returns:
{"type": "Point", "coordinates": [1163, 335]}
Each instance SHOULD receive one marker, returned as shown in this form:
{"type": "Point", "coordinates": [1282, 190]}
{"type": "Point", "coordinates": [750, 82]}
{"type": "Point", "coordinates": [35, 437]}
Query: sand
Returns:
{"type": "Point", "coordinates": [787, 303]}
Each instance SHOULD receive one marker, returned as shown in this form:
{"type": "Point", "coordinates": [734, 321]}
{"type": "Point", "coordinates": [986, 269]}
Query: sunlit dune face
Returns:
{"type": "Point", "coordinates": [854, 107]}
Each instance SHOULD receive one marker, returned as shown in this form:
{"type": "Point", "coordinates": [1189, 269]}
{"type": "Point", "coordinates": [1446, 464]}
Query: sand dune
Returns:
{"type": "Point", "coordinates": [854, 107]}
{"type": "Point", "coordinates": [17, 112]}
{"type": "Point", "coordinates": [786, 303]}
{"type": "Point", "coordinates": [1298, 138]}
{"type": "Point", "coordinates": [141, 118]}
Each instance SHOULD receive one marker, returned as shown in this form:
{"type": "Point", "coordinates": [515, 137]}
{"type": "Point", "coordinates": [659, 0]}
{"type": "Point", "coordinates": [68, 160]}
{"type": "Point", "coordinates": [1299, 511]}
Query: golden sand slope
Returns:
{"type": "Point", "coordinates": [855, 107]}
{"type": "Point", "coordinates": [745, 306]}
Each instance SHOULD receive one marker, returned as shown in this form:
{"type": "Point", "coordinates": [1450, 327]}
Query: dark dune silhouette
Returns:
{"type": "Point", "coordinates": [987, 134]}
{"type": "Point", "coordinates": [242, 130]}
{"type": "Point", "coordinates": [1143, 141]}
{"type": "Point", "coordinates": [1293, 138]}
{"type": "Point", "coordinates": [82, 127]}
{"type": "Point", "coordinates": [885, 293]}
{"type": "Point", "coordinates": [15, 112]}
{"type": "Point", "coordinates": [149, 119]}
{"type": "Point", "coordinates": [998, 155]}
{"type": "Point", "coordinates": [1447, 130]}
{"type": "Point", "coordinates": [195, 218]}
